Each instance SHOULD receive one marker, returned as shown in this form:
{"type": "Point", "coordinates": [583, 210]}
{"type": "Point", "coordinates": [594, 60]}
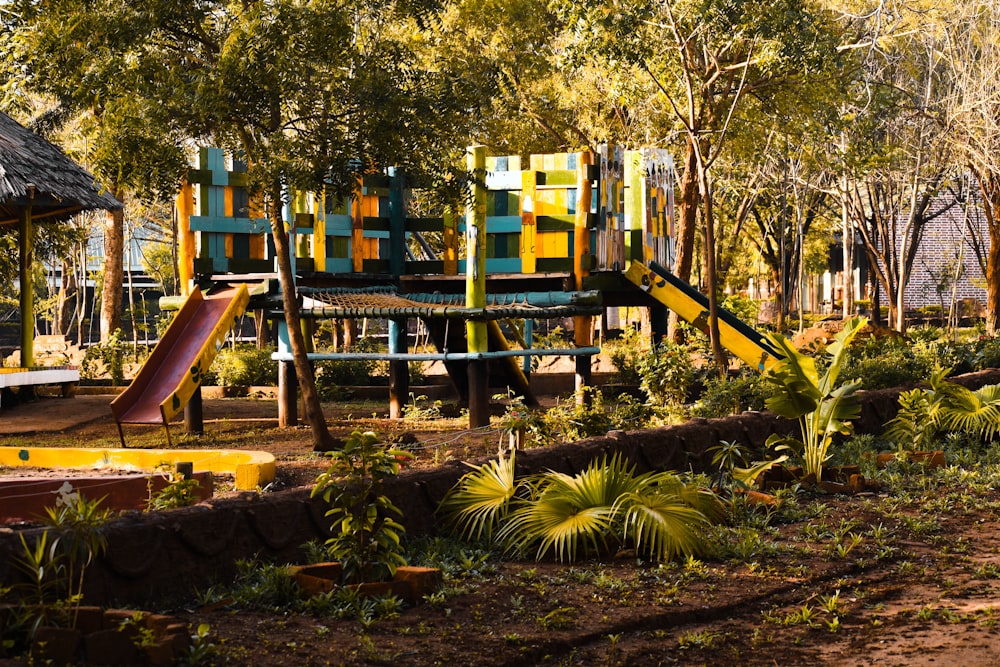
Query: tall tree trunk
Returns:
{"type": "Point", "coordinates": [686, 227]}
{"type": "Point", "coordinates": [64, 303]}
{"type": "Point", "coordinates": [712, 278]}
{"type": "Point", "coordinates": [114, 275]}
{"type": "Point", "coordinates": [322, 440]}
{"type": "Point", "coordinates": [990, 187]}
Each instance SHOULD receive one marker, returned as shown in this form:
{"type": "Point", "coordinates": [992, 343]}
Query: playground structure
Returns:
{"type": "Point", "coordinates": [574, 235]}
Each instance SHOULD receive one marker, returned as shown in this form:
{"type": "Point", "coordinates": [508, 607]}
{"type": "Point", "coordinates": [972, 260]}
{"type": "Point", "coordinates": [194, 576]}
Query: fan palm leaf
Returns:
{"type": "Point", "coordinates": [481, 499]}
{"type": "Point", "coordinates": [976, 412]}
{"type": "Point", "coordinates": [661, 525]}
{"type": "Point", "coordinates": [556, 523]}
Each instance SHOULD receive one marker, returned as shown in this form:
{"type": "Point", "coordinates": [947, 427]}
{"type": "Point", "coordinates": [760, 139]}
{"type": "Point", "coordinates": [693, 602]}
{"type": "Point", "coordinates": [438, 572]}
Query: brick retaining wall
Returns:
{"type": "Point", "coordinates": [168, 556]}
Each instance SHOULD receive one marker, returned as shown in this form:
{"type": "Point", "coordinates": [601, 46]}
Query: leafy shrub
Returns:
{"type": "Point", "coordinates": [107, 359]}
{"type": "Point", "coordinates": [888, 362]}
{"type": "Point", "coordinates": [571, 421]}
{"type": "Point", "coordinates": [666, 373]}
{"type": "Point", "coordinates": [243, 366]}
{"type": "Point", "coordinates": [625, 354]}
{"type": "Point", "coordinates": [732, 395]}
{"type": "Point", "coordinates": [332, 376]}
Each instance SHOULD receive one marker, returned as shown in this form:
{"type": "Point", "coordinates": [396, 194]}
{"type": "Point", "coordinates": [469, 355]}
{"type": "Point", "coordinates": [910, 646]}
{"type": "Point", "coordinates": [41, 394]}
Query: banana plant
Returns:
{"type": "Point", "coordinates": [823, 408]}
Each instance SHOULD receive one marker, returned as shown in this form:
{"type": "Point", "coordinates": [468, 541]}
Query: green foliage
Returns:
{"type": "Point", "coordinates": [889, 362]}
{"type": "Point", "coordinates": [333, 376]}
{"type": "Point", "coordinates": [179, 492]}
{"type": "Point", "coordinates": [666, 373]}
{"type": "Point", "coordinates": [731, 395]}
{"type": "Point", "coordinates": [264, 586]}
{"type": "Point", "coordinates": [56, 562]}
{"type": "Point", "coordinates": [823, 408]}
{"type": "Point", "coordinates": [625, 354]}
{"type": "Point", "coordinates": [945, 407]}
{"type": "Point", "coordinates": [573, 420]}
{"type": "Point", "coordinates": [107, 358]}
{"type": "Point", "coordinates": [594, 512]}
{"type": "Point", "coordinates": [243, 365]}
{"type": "Point", "coordinates": [366, 536]}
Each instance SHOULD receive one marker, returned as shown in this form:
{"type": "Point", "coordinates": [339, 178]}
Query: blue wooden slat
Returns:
{"type": "Point", "coordinates": [339, 265]}
{"type": "Point", "coordinates": [221, 224]}
{"type": "Point", "coordinates": [338, 223]}
{"type": "Point", "coordinates": [503, 265]}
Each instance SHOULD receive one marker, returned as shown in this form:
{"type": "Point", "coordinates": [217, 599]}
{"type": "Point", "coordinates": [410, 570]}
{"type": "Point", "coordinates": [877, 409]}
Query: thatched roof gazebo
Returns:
{"type": "Point", "coordinates": [39, 184]}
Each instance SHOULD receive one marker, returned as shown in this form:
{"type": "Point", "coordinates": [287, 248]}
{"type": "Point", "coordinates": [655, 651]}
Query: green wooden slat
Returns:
{"type": "Point", "coordinates": [199, 176]}
{"type": "Point", "coordinates": [556, 223]}
{"type": "Point", "coordinates": [307, 220]}
{"type": "Point", "coordinates": [338, 246]}
{"type": "Point", "coordinates": [555, 177]}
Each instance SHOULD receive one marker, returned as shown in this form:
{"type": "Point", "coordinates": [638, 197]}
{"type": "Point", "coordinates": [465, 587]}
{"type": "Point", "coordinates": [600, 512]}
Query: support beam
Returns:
{"type": "Point", "coordinates": [26, 240]}
{"type": "Point", "coordinates": [475, 288]}
{"type": "Point", "coordinates": [194, 415]}
{"type": "Point", "coordinates": [399, 371]}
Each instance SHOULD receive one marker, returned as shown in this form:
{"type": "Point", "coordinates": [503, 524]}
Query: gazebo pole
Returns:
{"type": "Point", "coordinates": [26, 234]}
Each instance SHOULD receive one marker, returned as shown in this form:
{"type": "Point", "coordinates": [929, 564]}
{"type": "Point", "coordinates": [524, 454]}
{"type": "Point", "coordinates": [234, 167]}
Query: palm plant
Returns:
{"type": "Point", "coordinates": [594, 512]}
{"type": "Point", "coordinates": [946, 406]}
{"type": "Point", "coordinates": [822, 408]}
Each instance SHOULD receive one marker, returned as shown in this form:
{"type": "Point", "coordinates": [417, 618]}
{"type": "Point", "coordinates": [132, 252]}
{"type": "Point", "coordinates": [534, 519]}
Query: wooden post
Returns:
{"type": "Point", "coordinates": [399, 372]}
{"type": "Point", "coordinates": [475, 289]}
{"type": "Point", "coordinates": [529, 230]}
{"type": "Point", "coordinates": [357, 229]}
{"type": "Point", "coordinates": [583, 325]}
{"type": "Point", "coordinates": [288, 413]}
{"type": "Point", "coordinates": [450, 237]}
{"type": "Point", "coordinates": [185, 238]}
{"type": "Point", "coordinates": [26, 239]}
{"type": "Point", "coordinates": [194, 416]}
{"type": "Point", "coordinates": [287, 382]}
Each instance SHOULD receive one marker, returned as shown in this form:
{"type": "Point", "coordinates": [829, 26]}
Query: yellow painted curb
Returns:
{"type": "Point", "coordinates": [252, 469]}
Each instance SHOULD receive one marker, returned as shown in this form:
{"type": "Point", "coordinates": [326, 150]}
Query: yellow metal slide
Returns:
{"type": "Point", "coordinates": [748, 344]}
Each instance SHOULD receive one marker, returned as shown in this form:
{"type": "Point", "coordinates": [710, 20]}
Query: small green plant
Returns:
{"type": "Point", "coordinates": [180, 491]}
{"type": "Point", "coordinates": [704, 639]}
{"type": "Point", "coordinates": [202, 649]}
{"type": "Point", "coordinates": [420, 408]}
{"type": "Point", "coordinates": [625, 354]}
{"type": "Point", "coordinates": [367, 533]}
{"type": "Point", "coordinates": [598, 510]}
{"type": "Point", "coordinates": [142, 636]}
{"type": "Point", "coordinates": [823, 408]}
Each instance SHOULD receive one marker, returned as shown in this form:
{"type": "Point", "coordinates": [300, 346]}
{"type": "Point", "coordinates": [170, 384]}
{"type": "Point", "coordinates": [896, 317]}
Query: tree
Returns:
{"type": "Point", "coordinates": [706, 59]}
{"type": "Point", "coordinates": [972, 48]}
{"type": "Point", "coordinates": [311, 93]}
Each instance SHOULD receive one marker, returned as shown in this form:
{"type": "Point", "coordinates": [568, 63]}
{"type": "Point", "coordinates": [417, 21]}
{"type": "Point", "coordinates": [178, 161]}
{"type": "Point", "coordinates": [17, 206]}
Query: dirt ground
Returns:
{"type": "Point", "coordinates": [910, 578]}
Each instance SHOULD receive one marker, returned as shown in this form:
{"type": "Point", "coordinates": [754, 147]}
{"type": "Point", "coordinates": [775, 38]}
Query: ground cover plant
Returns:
{"type": "Point", "coordinates": [906, 574]}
